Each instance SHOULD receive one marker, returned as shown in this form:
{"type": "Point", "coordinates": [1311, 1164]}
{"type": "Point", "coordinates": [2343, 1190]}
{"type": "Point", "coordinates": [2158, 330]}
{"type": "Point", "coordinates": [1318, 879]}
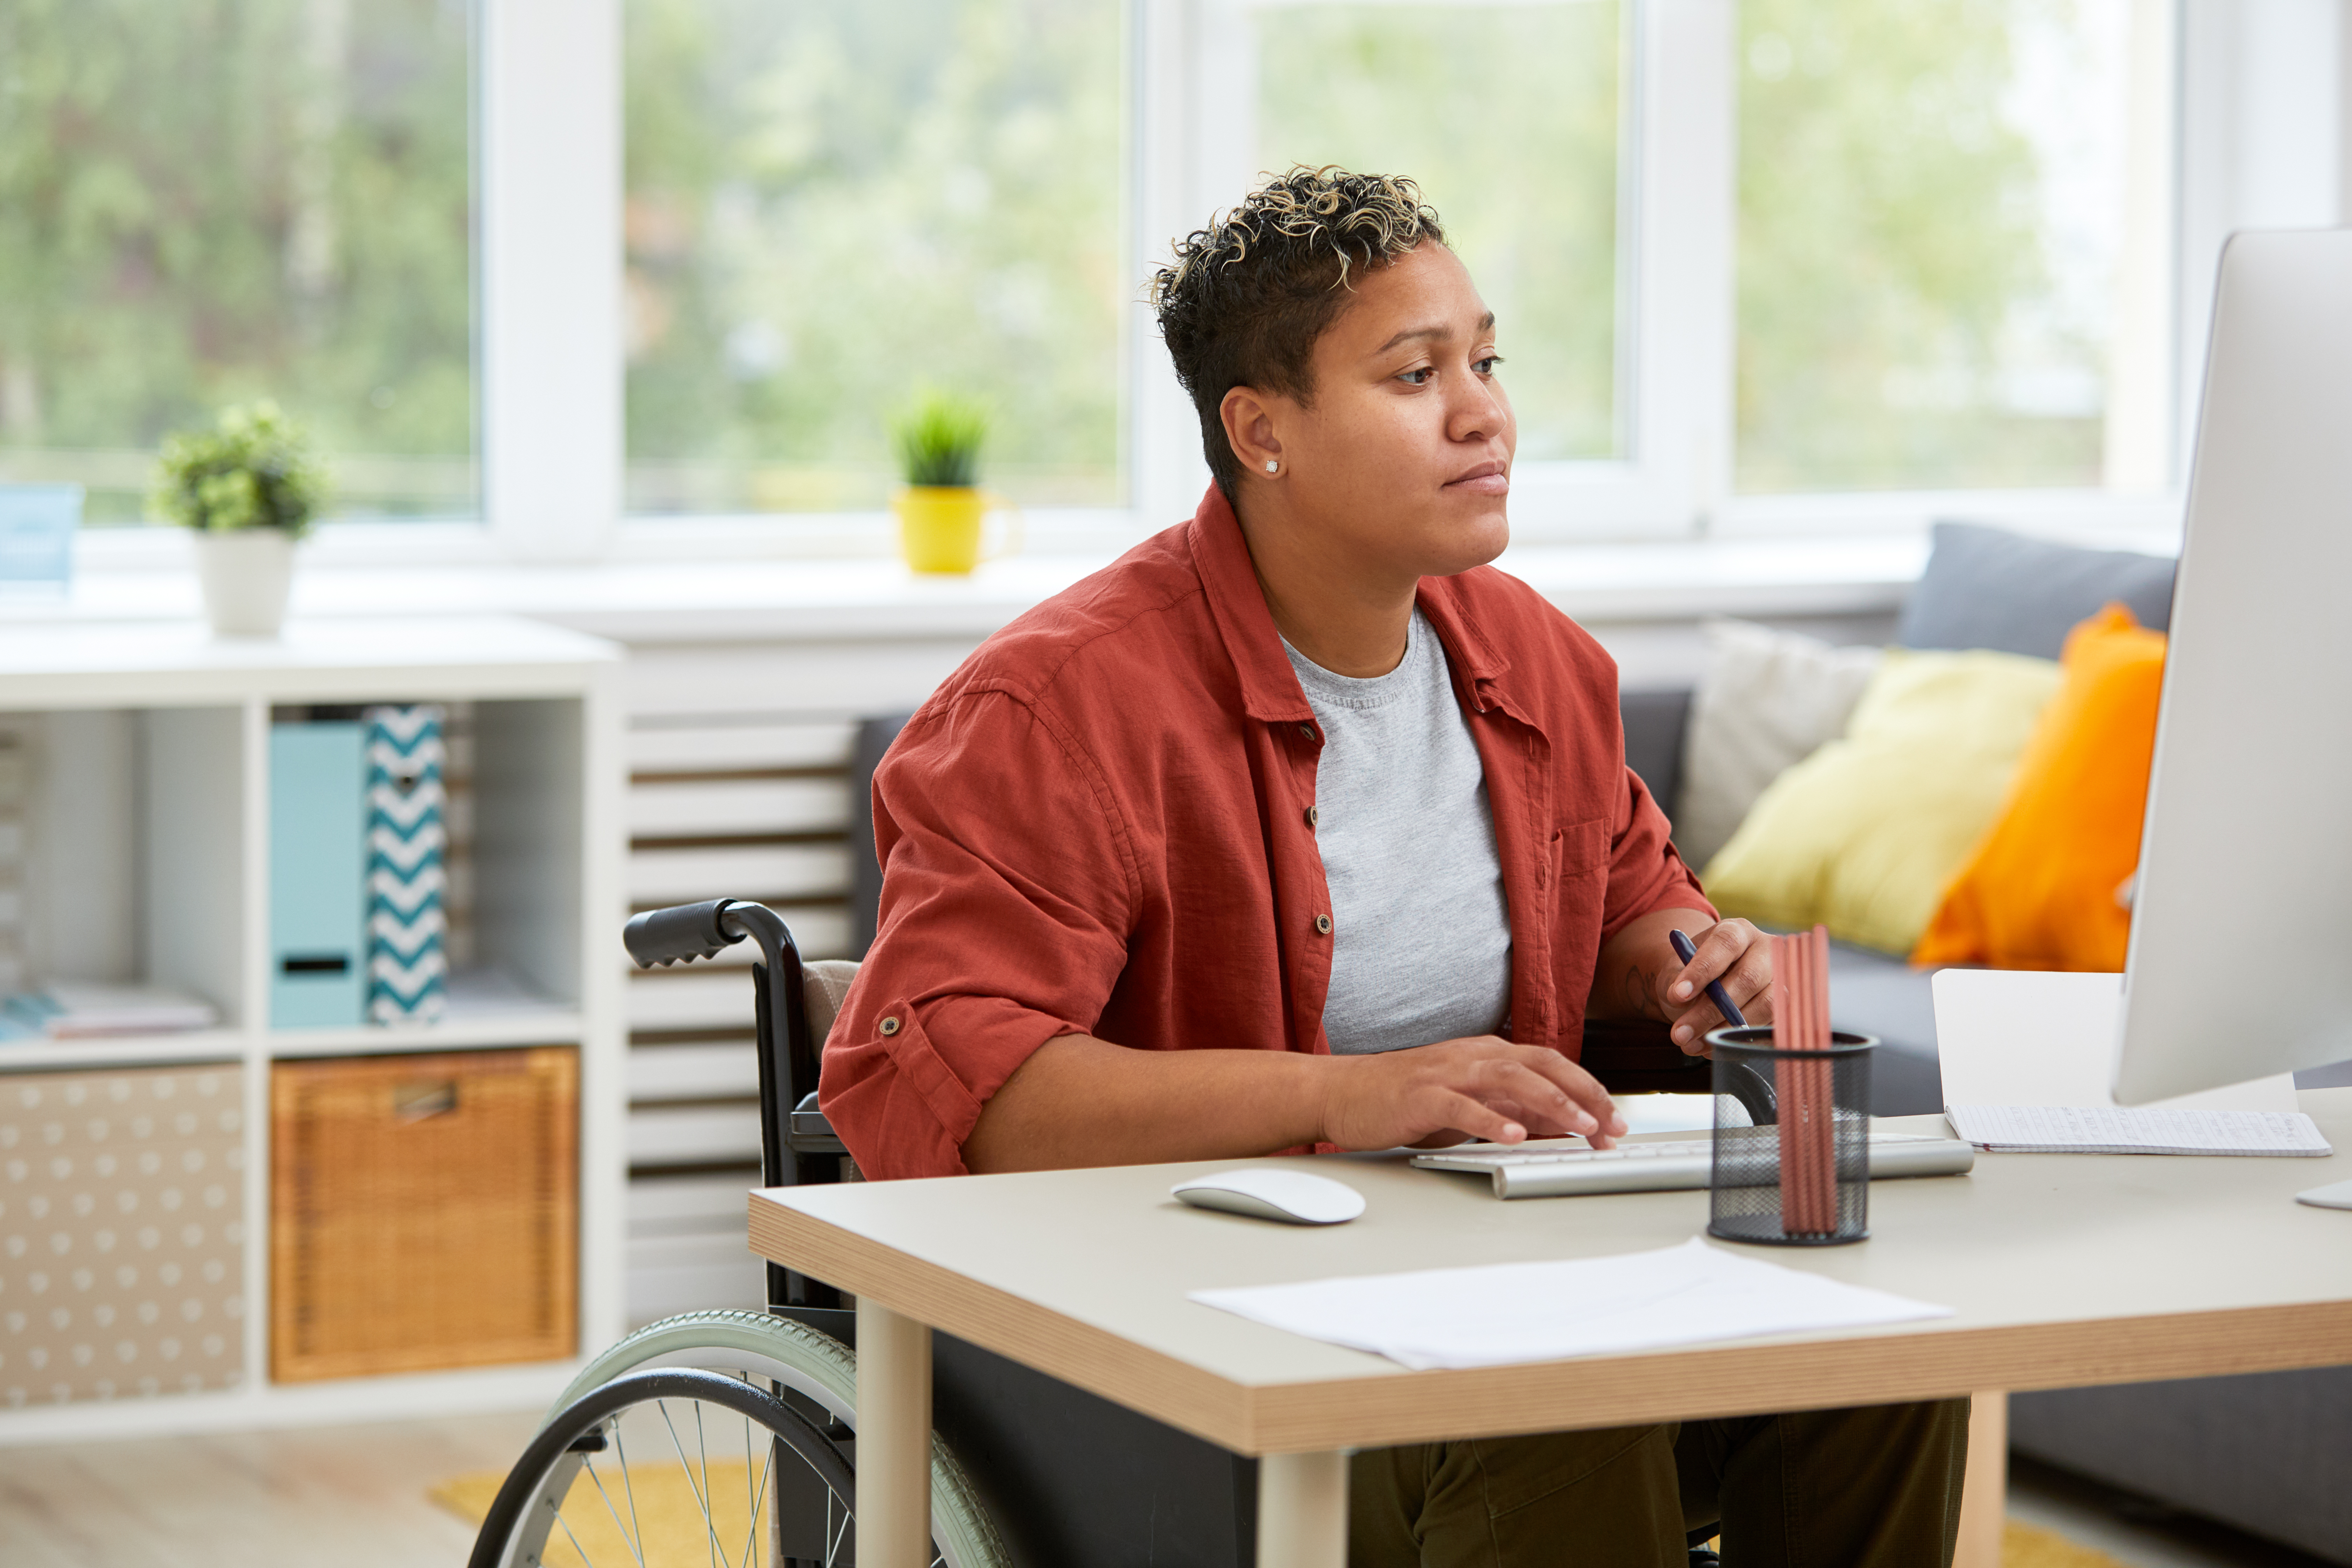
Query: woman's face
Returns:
{"type": "Point", "coordinates": [1402, 461]}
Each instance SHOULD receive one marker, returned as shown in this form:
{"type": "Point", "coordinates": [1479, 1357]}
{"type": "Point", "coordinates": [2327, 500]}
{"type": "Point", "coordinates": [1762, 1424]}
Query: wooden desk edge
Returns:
{"type": "Point", "coordinates": [1682, 1384]}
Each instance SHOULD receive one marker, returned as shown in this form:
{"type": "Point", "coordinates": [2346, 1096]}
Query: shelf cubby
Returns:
{"type": "Point", "coordinates": [146, 838]}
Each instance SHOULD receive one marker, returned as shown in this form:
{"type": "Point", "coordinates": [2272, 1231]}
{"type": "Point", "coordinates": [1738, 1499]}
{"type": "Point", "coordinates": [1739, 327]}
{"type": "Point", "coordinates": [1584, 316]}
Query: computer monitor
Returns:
{"type": "Point", "coordinates": [2240, 965]}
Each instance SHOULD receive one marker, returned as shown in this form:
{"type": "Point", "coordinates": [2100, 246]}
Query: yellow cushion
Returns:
{"type": "Point", "coordinates": [1864, 834]}
{"type": "Point", "coordinates": [2040, 890]}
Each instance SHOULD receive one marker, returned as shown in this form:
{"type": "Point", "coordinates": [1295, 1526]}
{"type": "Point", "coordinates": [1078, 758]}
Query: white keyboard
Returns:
{"type": "Point", "coordinates": [1565, 1167]}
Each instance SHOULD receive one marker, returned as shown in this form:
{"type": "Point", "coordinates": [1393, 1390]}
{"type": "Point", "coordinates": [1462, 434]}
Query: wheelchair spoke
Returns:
{"type": "Point", "coordinates": [752, 1530]}
{"type": "Point", "coordinates": [833, 1537]}
{"type": "Point", "coordinates": [751, 1502]}
{"type": "Point", "coordinates": [576, 1547]}
{"type": "Point", "coordinates": [709, 1502]}
{"type": "Point", "coordinates": [635, 1549]}
{"type": "Point", "coordinates": [701, 1497]}
{"type": "Point", "coordinates": [636, 1530]}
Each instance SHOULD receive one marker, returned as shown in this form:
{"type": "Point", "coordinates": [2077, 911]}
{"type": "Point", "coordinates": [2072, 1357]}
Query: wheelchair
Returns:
{"type": "Point", "coordinates": [744, 1423]}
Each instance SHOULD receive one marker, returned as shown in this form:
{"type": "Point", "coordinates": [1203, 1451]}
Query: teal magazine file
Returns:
{"type": "Point", "coordinates": [317, 850]}
{"type": "Point", "coordinates": [408, 888]}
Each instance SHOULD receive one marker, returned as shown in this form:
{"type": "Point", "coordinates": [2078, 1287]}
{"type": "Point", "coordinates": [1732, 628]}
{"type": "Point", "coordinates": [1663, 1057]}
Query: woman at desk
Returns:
{"type": "Point", "coordinates": [1300, 826]}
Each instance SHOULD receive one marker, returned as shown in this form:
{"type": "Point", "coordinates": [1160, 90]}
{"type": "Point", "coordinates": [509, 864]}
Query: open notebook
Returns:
{"type": "Point", "coordinates": [2026, 1057]}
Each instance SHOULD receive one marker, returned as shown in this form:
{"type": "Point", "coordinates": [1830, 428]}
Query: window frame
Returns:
{"type": "Point", "coordinates": [548, 265]}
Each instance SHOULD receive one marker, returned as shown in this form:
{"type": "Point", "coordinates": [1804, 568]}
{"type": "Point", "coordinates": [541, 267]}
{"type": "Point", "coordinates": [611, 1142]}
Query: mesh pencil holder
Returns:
{"type": "Point", "coordinates": [1800, 1176]}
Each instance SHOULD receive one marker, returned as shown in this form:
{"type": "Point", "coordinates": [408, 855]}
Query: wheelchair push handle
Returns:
{"type": "Point", "coordinates": [686, 932]}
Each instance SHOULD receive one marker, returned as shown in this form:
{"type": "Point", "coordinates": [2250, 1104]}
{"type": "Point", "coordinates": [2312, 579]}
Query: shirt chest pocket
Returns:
{"type": "Point", "coordinates": [1579, 851]}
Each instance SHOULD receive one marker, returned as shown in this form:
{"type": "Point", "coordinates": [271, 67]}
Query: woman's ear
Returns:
{"type": "Point", "coordinates": [1249, 429]}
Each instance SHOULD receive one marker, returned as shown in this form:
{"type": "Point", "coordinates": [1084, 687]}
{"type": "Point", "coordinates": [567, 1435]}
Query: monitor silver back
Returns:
{"type": "Point", "coordinates": [2240, 965]}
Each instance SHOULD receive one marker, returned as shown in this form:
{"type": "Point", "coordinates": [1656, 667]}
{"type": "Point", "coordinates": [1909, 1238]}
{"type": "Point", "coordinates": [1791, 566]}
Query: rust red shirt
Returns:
{"type": "Point", "coordinates": [1098, 825]}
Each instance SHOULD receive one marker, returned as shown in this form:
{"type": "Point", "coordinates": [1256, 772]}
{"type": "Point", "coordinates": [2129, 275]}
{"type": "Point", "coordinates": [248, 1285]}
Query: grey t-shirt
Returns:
{"type": "Point", "coordinates": [1422, 936]}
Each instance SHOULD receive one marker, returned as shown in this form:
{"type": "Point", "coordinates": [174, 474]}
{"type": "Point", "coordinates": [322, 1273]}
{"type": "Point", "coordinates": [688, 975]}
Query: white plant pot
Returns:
{"type": "Point", "coordinates": [246, 574]}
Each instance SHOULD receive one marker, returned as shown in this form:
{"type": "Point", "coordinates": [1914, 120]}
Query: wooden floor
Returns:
{"type": "Point", "coordinates": [352, 1496]}
{"type": "Point", "coordinates": [355, 1497]}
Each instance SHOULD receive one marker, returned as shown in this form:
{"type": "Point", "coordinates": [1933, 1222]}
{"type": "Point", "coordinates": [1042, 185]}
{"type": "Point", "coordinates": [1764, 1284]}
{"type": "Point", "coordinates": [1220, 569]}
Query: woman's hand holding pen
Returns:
{"type": "Point", "coordinates": [1728, 961]}
{"type": "Point", "coordinates": [1641, 977]}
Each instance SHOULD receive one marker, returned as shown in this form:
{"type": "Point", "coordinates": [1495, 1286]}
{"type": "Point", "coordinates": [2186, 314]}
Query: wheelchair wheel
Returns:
{"type": "Point", "coordinates": [815, 1376]}
{"type": "Point", "coordinates": [715, 1459]}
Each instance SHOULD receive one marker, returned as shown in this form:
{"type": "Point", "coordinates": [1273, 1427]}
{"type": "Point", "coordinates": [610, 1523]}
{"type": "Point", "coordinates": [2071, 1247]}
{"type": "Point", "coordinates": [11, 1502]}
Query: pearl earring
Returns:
{"type": "Point", "coordinates": [1271, 465]}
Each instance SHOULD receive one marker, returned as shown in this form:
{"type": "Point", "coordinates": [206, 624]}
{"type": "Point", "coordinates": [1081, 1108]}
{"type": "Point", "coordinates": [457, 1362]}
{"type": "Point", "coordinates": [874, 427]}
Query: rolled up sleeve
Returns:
{"type": "Point", "coordinates": [1008, 892]}
{"type": "Point", "coordinates": [1645, 871]}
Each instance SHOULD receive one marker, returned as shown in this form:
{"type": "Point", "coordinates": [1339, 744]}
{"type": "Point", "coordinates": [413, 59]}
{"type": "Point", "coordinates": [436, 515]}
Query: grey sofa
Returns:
{"type": "Point", "coordinates": [2270, 1455]}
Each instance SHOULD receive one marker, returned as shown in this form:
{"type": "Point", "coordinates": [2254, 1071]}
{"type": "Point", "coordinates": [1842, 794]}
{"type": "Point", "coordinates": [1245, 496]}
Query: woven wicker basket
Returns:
{"type": "Point", "coordinates": [423, 1212]}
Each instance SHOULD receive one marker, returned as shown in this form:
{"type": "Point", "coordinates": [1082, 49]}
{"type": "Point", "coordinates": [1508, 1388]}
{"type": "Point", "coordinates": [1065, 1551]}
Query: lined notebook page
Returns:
{"type": "Point", "coordinates": [2095, 1129]}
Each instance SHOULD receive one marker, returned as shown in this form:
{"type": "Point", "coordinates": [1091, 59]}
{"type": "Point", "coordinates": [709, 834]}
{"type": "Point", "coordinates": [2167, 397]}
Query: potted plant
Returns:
{"type": "Point", "coordinates": [249, 487]}
{"type": "Point", "coordinates": [939, 512]}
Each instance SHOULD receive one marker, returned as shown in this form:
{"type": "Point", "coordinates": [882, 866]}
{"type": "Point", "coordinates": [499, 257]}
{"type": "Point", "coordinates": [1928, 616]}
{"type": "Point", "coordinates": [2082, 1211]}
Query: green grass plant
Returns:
{"type": "Point", "coordinates": [939, 440]}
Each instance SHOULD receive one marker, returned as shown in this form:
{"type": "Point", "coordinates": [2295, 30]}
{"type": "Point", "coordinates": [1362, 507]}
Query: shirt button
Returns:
{"type": "Point", "coordinates": [1307, 730]}
{"type": "Point", "coordinates": [1311, 817]}
{"type": "Point", "coordinates": [889, 1025]}
{"type": "Point", "coordinates": [1323, 925]}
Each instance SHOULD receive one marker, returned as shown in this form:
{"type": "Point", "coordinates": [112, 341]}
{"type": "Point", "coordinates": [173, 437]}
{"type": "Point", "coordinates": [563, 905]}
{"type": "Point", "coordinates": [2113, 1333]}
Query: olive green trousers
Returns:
{"type": "Point", "coordinates": [1876, 1486]}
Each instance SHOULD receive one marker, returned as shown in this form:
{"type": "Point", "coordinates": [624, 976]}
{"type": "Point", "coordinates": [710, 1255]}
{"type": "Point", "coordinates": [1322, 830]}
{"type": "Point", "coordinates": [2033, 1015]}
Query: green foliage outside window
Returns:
{"type": "Point", "coordinates": [203, 202]}
{"type": "Point", "coordinates": [830, 203]}
{"type": "Point", "coordinates": [1891, 249]}
{"type": "Point", "coordinates": [206, 201]}
{"type": "Point", "coordinates": [1506, 116]}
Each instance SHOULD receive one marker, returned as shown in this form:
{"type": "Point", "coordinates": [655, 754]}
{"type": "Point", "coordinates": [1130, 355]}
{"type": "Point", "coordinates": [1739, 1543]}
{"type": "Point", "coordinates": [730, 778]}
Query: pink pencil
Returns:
{"type": "Point", "coordinates": [1787, 1030]}
{"type": "Point", "coordinates": [1796, 1116]}
{"type": "Point", "coordinates": [1824, 1108]}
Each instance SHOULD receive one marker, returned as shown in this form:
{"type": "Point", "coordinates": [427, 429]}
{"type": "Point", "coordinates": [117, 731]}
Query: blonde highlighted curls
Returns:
{"type": "Point", "coordinates": [1243, 300]}
{"type": "Point", "coordinates": [1326, 211]}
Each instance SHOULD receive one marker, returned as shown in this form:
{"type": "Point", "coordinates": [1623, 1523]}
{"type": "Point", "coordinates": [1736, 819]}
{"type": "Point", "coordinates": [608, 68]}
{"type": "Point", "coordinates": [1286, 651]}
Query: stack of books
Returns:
{"type": "Point", "coordinates": [73, 1009]}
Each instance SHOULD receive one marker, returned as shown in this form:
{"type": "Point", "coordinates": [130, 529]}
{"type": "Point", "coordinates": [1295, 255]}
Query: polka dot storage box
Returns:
{"type": "Point", "coordinates": [122, 1233]}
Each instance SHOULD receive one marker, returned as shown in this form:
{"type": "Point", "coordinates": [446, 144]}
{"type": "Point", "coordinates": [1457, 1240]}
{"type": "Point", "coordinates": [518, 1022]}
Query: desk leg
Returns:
{"type": "Point", "coordinates": [1302, 1511]}
{"type": "Point", "coordinates": [1984, 1496]}
{"type": "Point", "coordinates": [893, 1439]}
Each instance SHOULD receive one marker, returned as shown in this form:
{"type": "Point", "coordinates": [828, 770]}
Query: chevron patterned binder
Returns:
{"type": "Point", "coordinates": [408, 965]}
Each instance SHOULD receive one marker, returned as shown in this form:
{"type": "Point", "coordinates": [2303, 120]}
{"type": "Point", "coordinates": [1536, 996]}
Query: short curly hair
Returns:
{"type": "Point", "coordinates": [1244, 300]}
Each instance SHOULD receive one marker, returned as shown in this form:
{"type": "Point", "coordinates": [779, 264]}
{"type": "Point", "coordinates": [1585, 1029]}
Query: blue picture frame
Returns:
{"type": "Point", "coordinates": [36, 534]}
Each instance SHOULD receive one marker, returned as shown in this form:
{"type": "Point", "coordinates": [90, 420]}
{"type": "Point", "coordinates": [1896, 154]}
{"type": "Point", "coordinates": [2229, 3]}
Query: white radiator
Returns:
{"type": "Point", "coordinates": [739, 763]}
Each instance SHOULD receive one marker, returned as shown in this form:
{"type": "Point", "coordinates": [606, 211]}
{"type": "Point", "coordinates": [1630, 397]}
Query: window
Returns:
{"type": "Point", "coordinates": [1760, 264]}
{"type": "Point", "coordinates": [202, 203]}
{"type": "Point", "coordinates": [830, 206]}
{"type": "Point", "coordinates": [1945, 282]}
{"type": "Point", "coordinates": [1507, 117]}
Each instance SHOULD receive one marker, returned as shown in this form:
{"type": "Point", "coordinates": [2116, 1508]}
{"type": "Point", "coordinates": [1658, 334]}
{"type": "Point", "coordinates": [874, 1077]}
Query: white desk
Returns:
{"type": "Point", "coordinates": [2063, 1270]}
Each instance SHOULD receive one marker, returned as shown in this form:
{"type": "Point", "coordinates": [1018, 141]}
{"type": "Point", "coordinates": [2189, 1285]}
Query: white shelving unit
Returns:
{"type": "Point", "coordinates": [148, 861]}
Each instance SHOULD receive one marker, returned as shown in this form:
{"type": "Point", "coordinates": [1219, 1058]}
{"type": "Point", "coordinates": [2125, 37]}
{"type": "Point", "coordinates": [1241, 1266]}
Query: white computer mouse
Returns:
{"type": "Point", "coordinates": [1268, 1193]}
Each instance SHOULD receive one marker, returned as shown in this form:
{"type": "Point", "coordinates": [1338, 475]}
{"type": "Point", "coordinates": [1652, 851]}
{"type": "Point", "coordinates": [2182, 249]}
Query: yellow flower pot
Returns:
{"type": "Point", "coordinates": [939, 526]}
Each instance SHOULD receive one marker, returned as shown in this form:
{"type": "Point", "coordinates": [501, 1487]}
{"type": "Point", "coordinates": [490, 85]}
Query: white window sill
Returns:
{"type": "Point", "coordinates": [738, 600]}
{"type": "Point", "coordinates": [734, 581]}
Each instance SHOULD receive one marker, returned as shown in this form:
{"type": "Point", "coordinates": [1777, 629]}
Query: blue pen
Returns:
{"type": "Point", "coordinates": [1686, 950]}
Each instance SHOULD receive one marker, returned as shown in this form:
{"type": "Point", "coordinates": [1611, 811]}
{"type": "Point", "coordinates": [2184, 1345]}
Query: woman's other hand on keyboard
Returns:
{"type": "Point", "coordinates": [1483, 1087]}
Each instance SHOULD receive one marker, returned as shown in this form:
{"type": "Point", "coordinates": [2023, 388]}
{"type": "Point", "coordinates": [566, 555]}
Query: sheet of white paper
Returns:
{"type": "Point", "coordinates": [1502, 1313]}
{"type": "Point", "coordinates": [2015, 1036]}
{"type": "Point", "coordinates": [2104, 1130]}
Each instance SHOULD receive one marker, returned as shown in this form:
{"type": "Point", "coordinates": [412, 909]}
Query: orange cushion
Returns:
{"type": "Point", "coordinates": [2039, 891]}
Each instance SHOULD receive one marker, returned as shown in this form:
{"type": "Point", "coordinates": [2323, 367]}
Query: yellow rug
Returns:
{"type": "Point", "coordinates": [2023, 1546]}
{"type": "Point", "coordinates": [674, 1536]}
{"type": "Point", "coordinates": [659, 1499]}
